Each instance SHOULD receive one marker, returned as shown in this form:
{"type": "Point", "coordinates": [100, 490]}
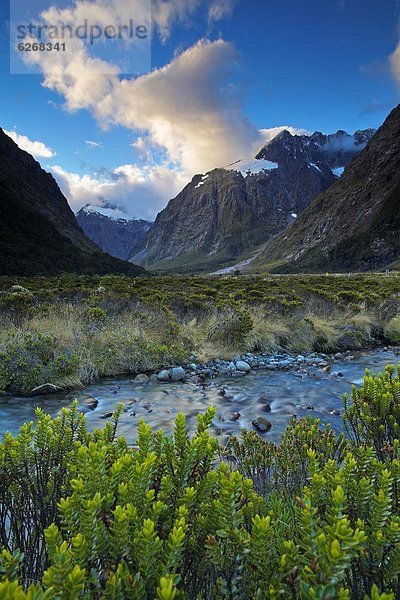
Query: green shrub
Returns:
{"type": "Point", "coordinates": [373, 417]}
{"type": "Point", "coordinates": [95, 315]}
{"type": "Point", "coordinates": [18, 304]}
{"type": "Point", "coordinates": [315, 517]}
{"type": "Point", "coordinates": [392, 330]}
{"type": "Point", "coordinates": [28, 360]}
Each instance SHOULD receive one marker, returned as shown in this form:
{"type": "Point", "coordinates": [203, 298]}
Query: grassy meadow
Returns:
{"type": "Point", "coordinates": [72, 330]}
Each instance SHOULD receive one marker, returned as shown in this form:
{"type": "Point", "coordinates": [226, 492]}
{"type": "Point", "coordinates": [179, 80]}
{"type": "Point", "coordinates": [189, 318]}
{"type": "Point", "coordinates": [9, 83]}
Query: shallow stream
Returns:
{"type": "Point", "coordinates": [314, 392]}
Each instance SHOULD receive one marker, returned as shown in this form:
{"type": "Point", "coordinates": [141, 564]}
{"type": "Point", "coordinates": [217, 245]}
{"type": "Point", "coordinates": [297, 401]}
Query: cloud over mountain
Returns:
{"type": "Point", "coordinates": [36, 148]}
{"type": "Point", "coordinates": [139, 192]}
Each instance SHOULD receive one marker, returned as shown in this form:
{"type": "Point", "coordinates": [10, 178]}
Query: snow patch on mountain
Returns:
{"type": "Point", "coordinates": [252, 166]}
{"type": "Point", "coordinates": [338, 171]}
{"type": "Point", "coordinates": [112, 213]}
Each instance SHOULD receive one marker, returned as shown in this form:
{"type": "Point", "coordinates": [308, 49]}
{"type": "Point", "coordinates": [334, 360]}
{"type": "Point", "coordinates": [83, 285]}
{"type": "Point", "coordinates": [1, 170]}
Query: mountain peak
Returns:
{"type": "Point", "coordinates": [112, 229]}
{"type": "Point", "coordinates": [353, 225]}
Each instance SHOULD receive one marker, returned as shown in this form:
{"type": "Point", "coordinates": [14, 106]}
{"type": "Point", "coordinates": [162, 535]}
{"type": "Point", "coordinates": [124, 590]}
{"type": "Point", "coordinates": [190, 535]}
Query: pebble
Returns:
{"type": "Point", "coordinates": [242, 364]}
{"type": "Point", "coordinates": [106, 415]}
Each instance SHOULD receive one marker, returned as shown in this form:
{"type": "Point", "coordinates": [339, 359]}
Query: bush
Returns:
{"type": "Point", "coordinates": [392, 330]}
{"type": "Point", "coordinates": [18, 304]}
{"type": "Point", "coordinates": [28, 360]}
{"type": "Point", "coordinates": [373, 417]}
{"type": "Point", "coordinates": [317, 517]}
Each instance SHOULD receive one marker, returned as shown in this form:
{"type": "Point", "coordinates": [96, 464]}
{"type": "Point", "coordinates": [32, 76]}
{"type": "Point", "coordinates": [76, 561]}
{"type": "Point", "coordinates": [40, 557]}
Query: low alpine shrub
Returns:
{"type": "Point", "coordinates": [176, 517]}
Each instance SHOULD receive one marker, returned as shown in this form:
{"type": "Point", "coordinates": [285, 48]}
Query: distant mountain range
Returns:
{"type": "Point", "coordinates": [112, 230]}
{"type": "Point", "coordinates": [230, 212]}
{"type": "Point", "coordinates": [355, 224]}
{"type": "Point", "coordinates": [39, 234]}
{"type": "Point", "coordinates": [303, 204]}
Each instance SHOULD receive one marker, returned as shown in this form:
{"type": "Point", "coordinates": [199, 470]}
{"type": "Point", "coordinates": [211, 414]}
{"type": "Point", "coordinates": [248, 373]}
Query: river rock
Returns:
{"type": "Point", "coordinates": [163, 376]}
{"type": "Point", "coordinates": [141, 378]}
{"type": "Point", "coordinates": [261, 424]}
{"type": "Point", "coordinates": [265, 407]}
{"type": "Point", "coordinates": [284, 363]}
{"type": "Point", "coordinates": [234, 416]}
{"type": "Point", "coordinates": [243, 366]}
{"type": "Point", "coordinates": [46, 388]}
{"type": "Point", "coordinates": [106, 415]}
{"type": "Point", "coordinates": [178, 374]}
{"type": "Point", "coordinates": [91, 403]}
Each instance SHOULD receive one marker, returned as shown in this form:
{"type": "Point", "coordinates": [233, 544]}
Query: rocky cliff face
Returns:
{"type": "Point", "coordinates": [231, 211]}
{"type": "Point", "coordinates": [355, 224]}
{"type": "Point", "coordinates": [38, 231]}
{"type": "Point", "coordinates": [115, 235]}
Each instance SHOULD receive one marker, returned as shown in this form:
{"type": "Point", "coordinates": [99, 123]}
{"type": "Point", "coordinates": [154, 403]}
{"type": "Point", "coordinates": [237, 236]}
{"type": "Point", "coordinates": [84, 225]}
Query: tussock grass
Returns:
{"type": "Point", "coordinates": [392, 330]}
{"type": "Point", "coordinates": [117, 325]}
{"type": "Point", "coordinates": [267, 335]}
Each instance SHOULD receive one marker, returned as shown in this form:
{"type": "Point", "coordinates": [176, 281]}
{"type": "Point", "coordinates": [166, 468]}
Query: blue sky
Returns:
{"type": "Point", "coordinates": [264, 64]}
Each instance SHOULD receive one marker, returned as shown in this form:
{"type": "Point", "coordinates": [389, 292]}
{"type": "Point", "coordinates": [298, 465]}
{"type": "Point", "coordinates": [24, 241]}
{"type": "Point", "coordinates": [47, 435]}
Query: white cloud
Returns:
{"type": "Point", "coordinates": [188, 107]}
{"type": "Point", "coordinates": [188, 111]}
{"type": "Point", "coordinates": [139, 193]}
{"type": "Point", "coordinates": [37, 149]}
{"type": "Point", "coordinates": [93, 144]}
{"type": "Point", "coordinates": [395, 64]}
{"type": "Point", "coordinates": [166, 13]}
{"type": "Point", "coordinates": [269, 134]}
{"type": "Point", "coordinates": [220, 9]}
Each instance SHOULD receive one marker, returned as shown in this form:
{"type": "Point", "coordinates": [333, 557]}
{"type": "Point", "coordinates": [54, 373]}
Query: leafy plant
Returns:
{"type": "Point", "coordinates": [373, 416]}
{"type": "Point", "coordinates": [28, 360]}
{"type": "Point", "coordinates": [315, 517]}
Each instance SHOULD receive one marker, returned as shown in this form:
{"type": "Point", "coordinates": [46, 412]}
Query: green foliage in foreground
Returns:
{"type": "Point", "coordinates": [317, 517]}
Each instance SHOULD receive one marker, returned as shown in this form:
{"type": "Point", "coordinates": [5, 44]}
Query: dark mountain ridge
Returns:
{"type": "Point", "coordinates": [355, 224]}
{"type": "Point", "coordinates": [39, 234]}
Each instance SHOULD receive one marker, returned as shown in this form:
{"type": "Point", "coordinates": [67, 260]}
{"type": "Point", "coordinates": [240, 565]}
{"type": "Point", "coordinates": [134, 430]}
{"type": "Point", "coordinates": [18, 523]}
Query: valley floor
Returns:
{"type": "Point", "coordinates": [70, 331]}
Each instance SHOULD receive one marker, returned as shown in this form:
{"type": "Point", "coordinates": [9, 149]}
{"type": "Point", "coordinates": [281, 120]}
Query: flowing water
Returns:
{"type": "Point", "coordinates": [315, 393]}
